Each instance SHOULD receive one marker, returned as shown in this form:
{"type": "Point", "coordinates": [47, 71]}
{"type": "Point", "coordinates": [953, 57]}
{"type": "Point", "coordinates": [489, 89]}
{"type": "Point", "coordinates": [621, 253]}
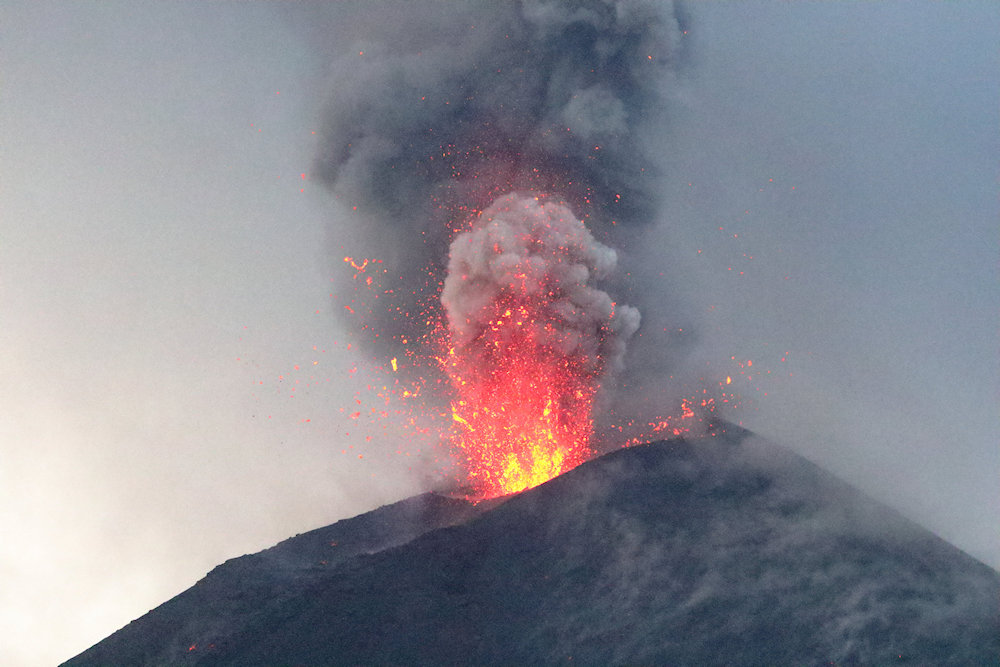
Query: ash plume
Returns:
{"type": "Point", "coordinates": [524, 253]}
{"type": "Point", "coordinates": [440, 108]}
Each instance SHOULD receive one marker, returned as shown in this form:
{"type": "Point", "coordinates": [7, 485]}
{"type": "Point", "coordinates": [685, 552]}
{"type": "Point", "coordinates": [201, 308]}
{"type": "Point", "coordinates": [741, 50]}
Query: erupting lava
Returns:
{"type": "Point", "coordinates": [530, 339]}
{"type": "Point", "coordinates": [522, 412]}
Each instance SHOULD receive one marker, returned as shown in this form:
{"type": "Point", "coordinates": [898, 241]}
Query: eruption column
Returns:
{"type": "Point", "coordinates": [530, 339]}
{"type": "Point", "coordinates": [438, 108]}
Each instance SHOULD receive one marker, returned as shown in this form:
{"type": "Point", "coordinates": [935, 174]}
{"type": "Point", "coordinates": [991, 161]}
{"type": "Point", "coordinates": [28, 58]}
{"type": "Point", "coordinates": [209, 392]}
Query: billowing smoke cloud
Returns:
{"type": "Point", "coordinates": [443, 107]}
{"type": "Point", "coordinates": [536, 257]}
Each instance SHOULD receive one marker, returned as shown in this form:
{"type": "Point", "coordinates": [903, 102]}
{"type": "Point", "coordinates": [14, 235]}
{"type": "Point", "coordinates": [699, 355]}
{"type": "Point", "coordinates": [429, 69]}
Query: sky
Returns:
{"type": "Point", "coordinates": [173, 376]}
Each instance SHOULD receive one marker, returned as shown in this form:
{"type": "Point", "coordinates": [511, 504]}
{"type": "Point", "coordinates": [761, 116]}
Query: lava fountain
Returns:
{"type": "Point", "coordinates": [530, 337]}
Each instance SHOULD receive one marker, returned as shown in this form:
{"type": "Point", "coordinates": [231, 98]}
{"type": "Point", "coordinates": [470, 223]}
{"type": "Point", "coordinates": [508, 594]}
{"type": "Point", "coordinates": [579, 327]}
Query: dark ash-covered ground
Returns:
{"type": "Point", "coordinates": [722, 550]}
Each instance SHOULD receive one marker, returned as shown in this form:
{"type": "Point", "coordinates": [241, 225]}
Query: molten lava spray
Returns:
{"type": "Point", "coordinates": [530, 338]}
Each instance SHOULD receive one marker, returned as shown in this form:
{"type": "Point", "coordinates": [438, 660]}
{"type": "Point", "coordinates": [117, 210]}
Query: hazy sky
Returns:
{"type": "Point", "coordinates": [171, 373]}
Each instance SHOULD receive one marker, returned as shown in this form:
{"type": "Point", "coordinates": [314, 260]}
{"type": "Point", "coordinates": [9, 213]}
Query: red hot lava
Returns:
{"type": "Point", "coordinates": [529, 340]}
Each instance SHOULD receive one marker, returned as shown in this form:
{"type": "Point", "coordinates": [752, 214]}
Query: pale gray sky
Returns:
{"type": "Point", "coordinates": [165, 276]}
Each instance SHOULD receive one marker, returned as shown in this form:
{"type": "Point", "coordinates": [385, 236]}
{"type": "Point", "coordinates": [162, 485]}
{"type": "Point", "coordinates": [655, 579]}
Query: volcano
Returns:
{"type": "Point", "coordinates": [723, 549]}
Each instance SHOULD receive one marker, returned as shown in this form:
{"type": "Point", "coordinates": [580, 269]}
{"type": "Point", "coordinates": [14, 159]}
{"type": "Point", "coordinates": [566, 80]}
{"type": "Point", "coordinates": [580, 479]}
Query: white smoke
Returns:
{"type": "Point", "coordinates": [526, 251]}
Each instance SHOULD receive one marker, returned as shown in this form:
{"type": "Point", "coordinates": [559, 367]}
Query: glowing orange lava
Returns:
{"type": "Point", "coordinates": [522, 411]}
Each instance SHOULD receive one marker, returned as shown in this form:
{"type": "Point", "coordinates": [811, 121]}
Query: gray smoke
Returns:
{"type": "Point", "coordinates": [536, 255]}
{"type": "Point", "coordinates": [440, 108]}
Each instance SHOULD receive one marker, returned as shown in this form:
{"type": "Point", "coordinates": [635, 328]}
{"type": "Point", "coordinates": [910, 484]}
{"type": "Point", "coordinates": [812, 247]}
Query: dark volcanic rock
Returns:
{"type": "Point", "coordinates": [239, 599]}
{"type": "Point", "coordinates": [723, 550]}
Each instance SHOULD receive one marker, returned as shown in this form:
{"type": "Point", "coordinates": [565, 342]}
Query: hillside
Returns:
{"type": "Point", "coordinates": [727, 549]}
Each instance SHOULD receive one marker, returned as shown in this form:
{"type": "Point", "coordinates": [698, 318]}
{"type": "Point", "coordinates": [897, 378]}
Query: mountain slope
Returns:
{"type": "Point", "coordinates": [726, 549]}
{"type": "Point", "coordinates": [237, 598]}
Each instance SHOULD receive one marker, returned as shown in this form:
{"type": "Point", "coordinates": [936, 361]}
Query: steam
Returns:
{"type": "Point", "coordinates": [537, 256]}
{"type": "Point", "coordinates": [431, 120]}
